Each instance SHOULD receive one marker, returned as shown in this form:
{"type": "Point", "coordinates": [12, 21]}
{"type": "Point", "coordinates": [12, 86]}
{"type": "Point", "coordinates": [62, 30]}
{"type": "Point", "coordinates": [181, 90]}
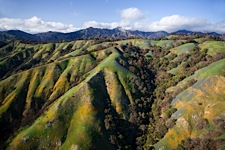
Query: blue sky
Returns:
{"type": "Point", "coordinates": [147, 15]}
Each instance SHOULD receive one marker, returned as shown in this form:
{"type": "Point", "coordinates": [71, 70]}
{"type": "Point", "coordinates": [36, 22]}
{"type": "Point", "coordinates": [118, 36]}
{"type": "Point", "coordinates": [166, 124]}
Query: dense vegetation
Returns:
{"type": "Point", "coordinates": [129, 94]}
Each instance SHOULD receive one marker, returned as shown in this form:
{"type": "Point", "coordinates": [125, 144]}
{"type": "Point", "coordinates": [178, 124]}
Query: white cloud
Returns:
{"type": "Point", "coordinates": [177, 22]}
{"type": "Point", "coordinates": [128, 17]}
{"type": "Point", "coordinates": [168, 23]}
{"type": "Point", "coordinates": [34, 25]}
{"type": "Point", "coordinates": [101, 24]}
{"type": "Point", "coordinates": [218, 27]}
{"type": "Point", "coordinates": [112, 25]}
{"type": "Point", "coordinates": [131, 14]}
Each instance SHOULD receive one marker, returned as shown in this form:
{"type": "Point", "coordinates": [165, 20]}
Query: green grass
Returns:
{"type": "Point", "coordinates": [209, 92]}
{"type": "Point", "coordinates": [185, 48]}
{"type": "Point", "coordinates": [216, 68]}
{"type": "Point", "coordinates": [177, 70]}
{"type": "Point", "coordinates": [144, 43]}
{"type": "Point", "coordinates": [164, 43]}
{"type": "Point", "coordinates": [213, 47]}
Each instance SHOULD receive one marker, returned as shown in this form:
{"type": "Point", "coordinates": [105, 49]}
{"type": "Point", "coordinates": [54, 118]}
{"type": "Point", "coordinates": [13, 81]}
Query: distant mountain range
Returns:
{"type": "Point", "coordinates": [191, 32]}
{"type": "Point", "coordinates": [88, 33]}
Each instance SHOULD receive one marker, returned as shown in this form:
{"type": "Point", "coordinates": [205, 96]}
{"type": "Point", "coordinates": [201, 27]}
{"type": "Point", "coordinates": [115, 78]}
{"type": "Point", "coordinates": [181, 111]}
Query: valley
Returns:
{"type": "Point", "coordinates": [139, 93]}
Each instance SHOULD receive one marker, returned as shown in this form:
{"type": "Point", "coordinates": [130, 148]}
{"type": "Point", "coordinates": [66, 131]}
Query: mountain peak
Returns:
{"type": "Point", "coordinates": [121, 29]}
{"type": "Point", "coordinates": [90, 28]}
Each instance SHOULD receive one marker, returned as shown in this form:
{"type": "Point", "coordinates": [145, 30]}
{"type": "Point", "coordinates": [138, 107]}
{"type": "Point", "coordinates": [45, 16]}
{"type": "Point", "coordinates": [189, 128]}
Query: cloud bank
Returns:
{"type": "Point", "coordinates": [130, 19]}
{"type": "Point", "coordinates": [34, 25]}
{"type": "Point", "coordinates": [133, 18]}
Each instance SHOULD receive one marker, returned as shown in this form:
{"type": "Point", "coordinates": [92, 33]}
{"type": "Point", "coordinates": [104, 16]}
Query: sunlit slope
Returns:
{"type": "Point", "coordinates": [64, 101]}
{"type": "Point", "coordinates": [198, 122]}
{"type": "Point", "coordinates": [17, 56]}
{"type": "Point", "coordinates": [216, 68]}
{"type": "Point", "coordinates": [200, 111]}
{"type": "Point", "coordinates": [184, 48]}
{"type": "Point", "coordinates": [76, 119]}
{"type": "Point", "coordinates": [213, 47]}
{"type": "Point", "coordinates": [26, 95]}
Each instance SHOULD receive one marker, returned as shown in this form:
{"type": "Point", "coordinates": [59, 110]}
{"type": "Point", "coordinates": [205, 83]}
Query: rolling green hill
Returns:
{"type": "Point", "coordinates": [128, 94]}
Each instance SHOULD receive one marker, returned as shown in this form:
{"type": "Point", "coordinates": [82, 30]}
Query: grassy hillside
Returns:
{"type": "Point", "coordinates": [128, 94]}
